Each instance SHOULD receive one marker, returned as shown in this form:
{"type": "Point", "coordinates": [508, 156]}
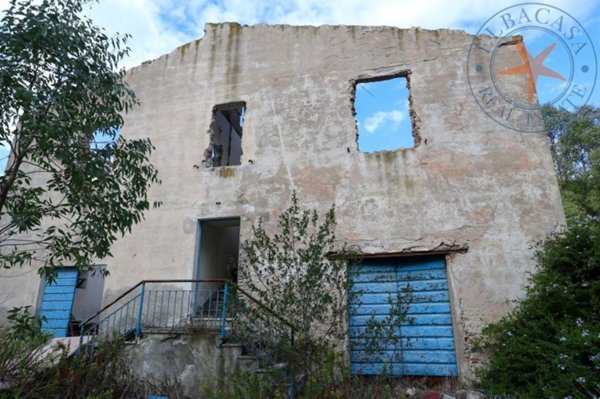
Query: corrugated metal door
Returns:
{"type": "Point", "coordinates": [57, 302]}
{"type": "Point", "coordinates": [426, 344]}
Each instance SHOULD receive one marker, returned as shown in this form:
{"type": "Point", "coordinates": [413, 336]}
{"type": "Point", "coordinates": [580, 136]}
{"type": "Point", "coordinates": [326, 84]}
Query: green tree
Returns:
{"type": "Point", "coordinates": [574, 139]}
{"type": "Point", "coordinates": [64, 197]}
{"type": "Point", "coordinates": [549, 345]}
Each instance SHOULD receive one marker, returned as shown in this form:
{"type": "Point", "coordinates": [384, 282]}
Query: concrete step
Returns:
{"type": "Point", "coordinates": [231, 345]}
{"type": "Point", "coordinates": [247, 363]}
{"type": "Point", "coordinates": [246, 357]}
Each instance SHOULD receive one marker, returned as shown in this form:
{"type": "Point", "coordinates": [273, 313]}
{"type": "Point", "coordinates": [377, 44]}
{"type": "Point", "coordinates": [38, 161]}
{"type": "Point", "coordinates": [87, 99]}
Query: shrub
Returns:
{"type": "Point", "coordinates": [22, 348]}
{"type": "Point", "coordinates": [29, 368]}
{"type": "Point", "coordinates": [549, 345]}
{"type": "Point", "coordinates": [303, 287]}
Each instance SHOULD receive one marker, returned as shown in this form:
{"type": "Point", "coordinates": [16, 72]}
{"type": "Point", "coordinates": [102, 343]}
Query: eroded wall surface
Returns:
{"type": "Point", "coordinates": [196, 361]}
{"type": "Point", "coordinates": [468, 184]}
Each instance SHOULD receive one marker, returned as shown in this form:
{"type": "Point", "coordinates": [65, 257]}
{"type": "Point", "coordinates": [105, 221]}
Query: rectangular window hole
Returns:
{"type": "Point", "coordinates": [225, 131]}
{"type": "Point", "coordinates": [383, 116]}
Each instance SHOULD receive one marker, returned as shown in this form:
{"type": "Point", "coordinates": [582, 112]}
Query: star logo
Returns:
{"type": "Point", "coordinates": [565, 81]}
{"type": "Point", "coordinates": [533, 67]}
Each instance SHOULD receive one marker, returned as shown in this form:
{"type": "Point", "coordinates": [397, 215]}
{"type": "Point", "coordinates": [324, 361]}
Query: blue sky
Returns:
{"type": "Point", "coordinates": [382, 115]}
{"type": "Point", "coordinates": [159, 26]}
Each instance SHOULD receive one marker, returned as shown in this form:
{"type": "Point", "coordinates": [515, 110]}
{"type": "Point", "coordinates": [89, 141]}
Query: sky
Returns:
{"type": "Point", "coordinates": [382, 115]}
{"type": "Point", "coordinates": [159, 26]}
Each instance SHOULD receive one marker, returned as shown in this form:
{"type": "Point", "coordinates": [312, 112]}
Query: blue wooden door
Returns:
{"type": "Point", "coordinates": [57, 302]}
{"type": "Point", "coordinates": [425, 344]}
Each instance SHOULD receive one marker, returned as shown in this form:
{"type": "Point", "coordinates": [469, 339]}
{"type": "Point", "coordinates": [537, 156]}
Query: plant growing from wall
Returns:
{"type": "Point", "coordinates": [64, 198]}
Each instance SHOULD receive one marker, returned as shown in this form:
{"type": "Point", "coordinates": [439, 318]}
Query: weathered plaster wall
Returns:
{"type": "Point", "coordinates": [469, 183]}
{"type": "Point", "coordinates": [195, 362]}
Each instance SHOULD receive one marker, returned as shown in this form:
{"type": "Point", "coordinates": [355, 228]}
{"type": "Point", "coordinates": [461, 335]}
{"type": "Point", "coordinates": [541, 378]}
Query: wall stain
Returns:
{"type": "Point", "coordinates": [225, 172]}
{"type": "Point", "coordinates": [233, 50]}
{"type": "Point", "coordinates": [183, 49]}
{"type": "Point", "coordinates": [197, 46]}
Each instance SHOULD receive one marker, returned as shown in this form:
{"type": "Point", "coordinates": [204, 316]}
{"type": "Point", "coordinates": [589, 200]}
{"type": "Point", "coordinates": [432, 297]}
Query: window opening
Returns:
{"type": "Point", "coordinates": [383, 115]}
{"type": "Point", "coordinates": [225, 131]}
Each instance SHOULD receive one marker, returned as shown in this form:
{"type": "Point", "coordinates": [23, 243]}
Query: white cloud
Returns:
{"type": "Point", "coordinates": [186, 19]}
{"type": "Point", "coordinates": [158, 26]}
{"type": "Point", "coordinates": [385, 118]}
{"type": "Point", "coordinates": [142, 20]}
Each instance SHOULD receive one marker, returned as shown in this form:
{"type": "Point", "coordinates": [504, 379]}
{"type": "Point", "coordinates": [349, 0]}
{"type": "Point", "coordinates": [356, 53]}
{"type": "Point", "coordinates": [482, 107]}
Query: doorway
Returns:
{"type": "Point", "coordinates": [73, 297]}
{"type": "Point", "coordinates": [426, 338]}
{"type": "Point", "coordinates": [88, 294]}
{"type": "Point", "coordinates": [217, 259]}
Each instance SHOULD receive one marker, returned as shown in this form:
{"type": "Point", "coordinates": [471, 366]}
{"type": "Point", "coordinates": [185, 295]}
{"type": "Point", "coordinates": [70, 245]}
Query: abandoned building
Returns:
{"type": "Point", "coordinates": [246, 115]}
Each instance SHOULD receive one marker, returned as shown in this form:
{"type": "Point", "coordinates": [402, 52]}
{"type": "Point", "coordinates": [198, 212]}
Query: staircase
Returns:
{"type": "Point", "coordinates": [194, 307]}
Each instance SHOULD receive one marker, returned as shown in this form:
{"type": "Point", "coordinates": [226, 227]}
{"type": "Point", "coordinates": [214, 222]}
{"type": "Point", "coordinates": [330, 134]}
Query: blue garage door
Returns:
{"type": "Point", "coordinates": [426, 344]}
{"type": "Point", "coordinates": [57, 302]}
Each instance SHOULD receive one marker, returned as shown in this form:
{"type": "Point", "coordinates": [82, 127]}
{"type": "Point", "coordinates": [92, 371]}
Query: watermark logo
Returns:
{"type": "Point", "coordinates": [526, 56]}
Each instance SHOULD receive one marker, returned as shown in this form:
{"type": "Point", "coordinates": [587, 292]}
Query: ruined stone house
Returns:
{"type": "Point", "coordinates": [460, 209]}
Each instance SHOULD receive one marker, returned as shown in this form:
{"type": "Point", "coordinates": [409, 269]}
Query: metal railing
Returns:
{"type": "Point", "coordinates": [149, 306]}
{"type": "Point", "coordinates": [187, 304]}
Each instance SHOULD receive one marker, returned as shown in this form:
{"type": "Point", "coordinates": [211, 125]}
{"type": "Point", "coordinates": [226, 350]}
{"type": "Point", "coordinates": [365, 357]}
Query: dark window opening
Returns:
{"type": "Point", "coordinates": [383, 116]}
{"type": "Point", "coordinates": [225, 147]}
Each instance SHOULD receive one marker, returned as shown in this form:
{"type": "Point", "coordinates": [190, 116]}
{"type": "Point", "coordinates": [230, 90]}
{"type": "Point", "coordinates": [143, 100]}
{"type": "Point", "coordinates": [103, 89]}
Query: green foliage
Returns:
{"type": "Point", "coordinates": [332, 380]}
{"type": "Point", "coordinates": [328, 380]}
{"type": "Point", "coordinates": [291, 273]}
{"type": "Point", "coordinates": [64, 199]}
{"type": "Point", "coordinates": [21, 323]}
{"type": "Point", "coordinates": [382, 333]}
{"type": "Point", "coordinates": [574, 139]}
{"type": "Point", "coordinates": [355, 387]}
{"type": "Point", "coordinates": [549, 345]}
{"type": "Point", "coordinates": [21, 347]}
{"type": "Point", "coordinates": [106, 375]}
{"type": "Point", "coordinates": [302, 279]}
{"type": "Point", "coordinates": [248, 385]}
